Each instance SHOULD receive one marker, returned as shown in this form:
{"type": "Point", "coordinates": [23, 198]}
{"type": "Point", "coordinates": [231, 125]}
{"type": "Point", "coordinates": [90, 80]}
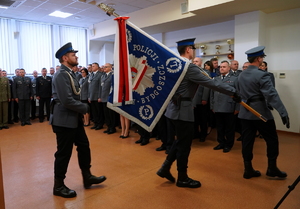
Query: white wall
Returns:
{"type": "Point", "coordinates": [283, 53]}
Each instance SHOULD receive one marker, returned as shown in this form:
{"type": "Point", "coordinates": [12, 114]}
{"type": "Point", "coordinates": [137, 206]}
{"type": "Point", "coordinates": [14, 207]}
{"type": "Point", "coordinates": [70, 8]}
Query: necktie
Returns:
{"type": "Point", "coordinates": [92, 75]}
{"type": "Point", "coordinates": [223, 76]}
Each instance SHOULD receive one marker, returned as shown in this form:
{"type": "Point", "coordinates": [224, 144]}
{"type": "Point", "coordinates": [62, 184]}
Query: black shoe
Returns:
{"type": "Point", "coordinates": [139, 141]}
{"type": "Point", "coordinates": [124, 137]}
{"type": "Point", "coordinates": [94, 127]}
{"type": "Point", "coordinates": [218, 147]}
{"type": "Point", "coordinates": [112, 131]}
{"type": "Point", "coordinates": [22, 123]}
{"type": "Point", "coordinates": [161, 148]}
{"type": "Point", "coordinates": [145, 141]}
{"type": "Point", "coordinates": [41, 120]}
{"type": "Point", "coordinates": [165, 174]}
{"type": "Point", "coordinates": [0, 128]}
{"type": "Point", "coordinates": [5, 127]}
{"type": "Point", "coordinates": [10, 122]}
{"type": "Point", "coordinates": [27, 123]}
{"type": "Point", "coordinates": [64, 191]}
{"type": "Point", "coordinates": [106, 131]}
{"type": "Point", "coordinates": [167, 151]}
{"type": "Point", "coordinates": [87, 182]}
{"type": "Point", "coordinates": [226, 149]}
{"type": "Point", "coordinates": [190, 183]}
{"type": "Point", "coordinates": [98, 127]}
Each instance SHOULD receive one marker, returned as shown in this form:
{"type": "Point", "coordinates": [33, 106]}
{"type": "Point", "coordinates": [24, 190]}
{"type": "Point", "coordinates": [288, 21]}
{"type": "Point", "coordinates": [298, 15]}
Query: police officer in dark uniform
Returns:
{"type": "Point", "coordinates": [23, 94]}
{"type": "Point", "coordinates": [44, 93]}
{"type": "Point", "coordinates": [67, 124]}
{"type": "Point", "coordinates": [180, 113]}
{"type": "Point", "coordinates": [256, 88]}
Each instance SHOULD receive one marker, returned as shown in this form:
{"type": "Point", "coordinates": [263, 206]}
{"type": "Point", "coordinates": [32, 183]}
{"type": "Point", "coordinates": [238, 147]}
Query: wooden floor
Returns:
{"type": "Point", "coordinates": [27, 162]}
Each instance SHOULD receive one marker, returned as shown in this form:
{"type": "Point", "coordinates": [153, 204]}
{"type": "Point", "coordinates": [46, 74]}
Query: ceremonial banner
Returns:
{"type": "Point", "coordinates": [146, 75]}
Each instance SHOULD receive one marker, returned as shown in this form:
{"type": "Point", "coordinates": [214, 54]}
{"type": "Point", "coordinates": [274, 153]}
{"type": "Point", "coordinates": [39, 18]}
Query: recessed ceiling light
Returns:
{"type": "Point", "coordinates": [77, 17]}
{"type": "Point", "coordinates": [60, 14]}
{"type": "Point", "coordinates": [3, 7]}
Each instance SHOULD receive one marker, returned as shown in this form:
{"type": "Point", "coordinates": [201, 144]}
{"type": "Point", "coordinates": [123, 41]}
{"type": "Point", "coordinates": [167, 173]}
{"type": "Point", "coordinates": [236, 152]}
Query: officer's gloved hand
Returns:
{"type": "Point", "coordinates": [286, 121]}
{"type": "Point", "coordinates": [236, 98]}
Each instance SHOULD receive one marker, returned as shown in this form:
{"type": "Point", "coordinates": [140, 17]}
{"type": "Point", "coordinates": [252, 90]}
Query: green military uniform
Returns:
{"type": "Point", "coordinates": [4, 97]}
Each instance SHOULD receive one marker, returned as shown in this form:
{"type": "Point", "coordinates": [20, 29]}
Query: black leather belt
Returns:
{"type": "Point", "coordinates": [255, 99]}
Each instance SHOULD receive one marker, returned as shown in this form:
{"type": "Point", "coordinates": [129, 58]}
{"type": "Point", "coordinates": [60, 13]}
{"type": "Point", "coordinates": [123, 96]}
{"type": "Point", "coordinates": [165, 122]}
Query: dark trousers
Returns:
{"type": "Point", "coordinates": [211, 119]}
{"type": "Point", "coordinates": [65, 138]}
{"type": "Point", "coordinates": [267, 130]}
{"type": "Point", "coordinates": [33, 108]}
{"type": "Point", "coordinates": [24, 110]}
{"type": "Point", "coordinates": [170, 134]}
{"type": "Point", "coordinates": [143, 133]}
{"type": "Point", "coordinates": [110, 117]}
{"type": "Point", "coordinates": [9, 112]}
{"type": "Point", "coordinates": [16, 111]}
{"type": "Point", "coordinates": [225, 128]}
{"type": "Point", "coordinates": [238, 125]}
{"type": "Point", "coordinates": [42, 103]}
{"type": "Point", "coordinates": [95, 109]}
{"type": "Point", "coordinates": [201, 115]}
{"type": "Point", "coordinates": [181, 147]}
{"type": "Point", "coordinates": [162, 132]}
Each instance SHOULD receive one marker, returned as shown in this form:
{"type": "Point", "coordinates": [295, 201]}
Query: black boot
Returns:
{"type": "Point", "coordinates": [185, 181]}
{"type": "Point", "coordinates": [164, 171]}
{"type": "Point", "coordinates": [273, 171]}
{"type": "Point", "coordinates": [89, 179]}
{"type": "Point", "coordinates": [249, 172]}
{"type": "Point", "coordinates": [60, 189]}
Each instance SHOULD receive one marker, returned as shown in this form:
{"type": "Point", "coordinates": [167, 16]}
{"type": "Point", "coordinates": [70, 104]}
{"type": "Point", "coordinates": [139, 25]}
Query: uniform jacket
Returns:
{"type": "Point", "coordinates": [68, 109]}
{"type": "Point", "coordinates": [257, 83]}
{"type": "Point", "coordinates": [220, 102]}
{"type": "Point", "coordinates": [237, 73]}
{"type": "Point", "coordinates": [84, 85]}
{"type": "Point", "coordinates": [44, 87]}
{"type": "Point", "coordinates": [202, 94]}
{"type": "Point", "coordinates": [187, 89]}
{"type": "Point", "coordinates": [105, 86]}
{"type": "Point", "coordinates": [94, 91]}
{"type": "Point", "coordinates": [78, 75]}
{"type": "Point", "coordinates": [5, 93]}
{"type": "Point", "coordinates": [22, 88]}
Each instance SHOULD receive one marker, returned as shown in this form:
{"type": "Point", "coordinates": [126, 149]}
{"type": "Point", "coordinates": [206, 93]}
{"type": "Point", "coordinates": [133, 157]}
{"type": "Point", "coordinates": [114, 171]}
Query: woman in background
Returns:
{"type": "Point", "coordinates": [84, 85]}
{"type": "Point", "coordinates": [264, 66]}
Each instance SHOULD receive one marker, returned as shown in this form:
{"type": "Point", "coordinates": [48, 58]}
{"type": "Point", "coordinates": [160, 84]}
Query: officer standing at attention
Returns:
{"type": "Point", "coordinates": [44, 93]}
{"type": "Point", "coordinates": [23, 94]}
{"type": "Point", "coordinates": [256, 88]}
{"type": "Point", "coordinates": [181, 115]}
{"type": "Point", "coordinates": [67, 124]}
{"type": "Point", "coordinates": [4, 101]}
